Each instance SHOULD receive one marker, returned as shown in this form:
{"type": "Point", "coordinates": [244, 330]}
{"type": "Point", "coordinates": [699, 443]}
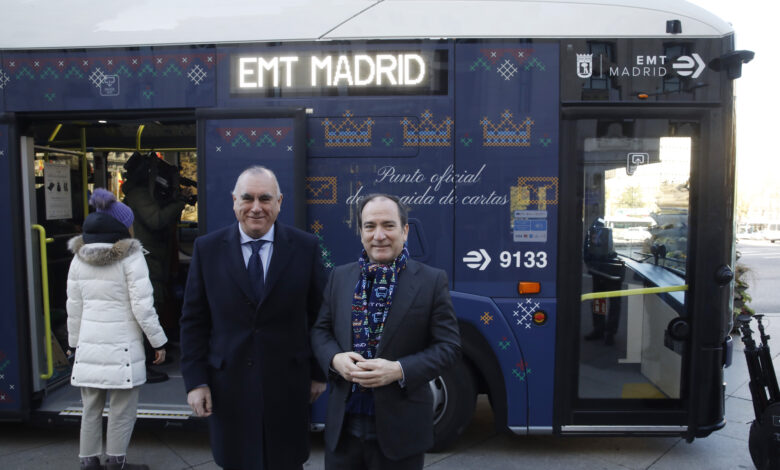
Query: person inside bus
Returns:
{"type": "Point", "coordinates": [607, 271]}
{"type": "Point", "coordinates": [386, 328]}
{"type": "Point", "coordinates": [110, 308]}
{"type": "Point", "coordinates": [151, 189]}
{"type": "Point", "coordinates": [253, 291]}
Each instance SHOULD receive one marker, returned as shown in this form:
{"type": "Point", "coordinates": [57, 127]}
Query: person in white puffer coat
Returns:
{"type": "Point", "coordinates": [110, 307]}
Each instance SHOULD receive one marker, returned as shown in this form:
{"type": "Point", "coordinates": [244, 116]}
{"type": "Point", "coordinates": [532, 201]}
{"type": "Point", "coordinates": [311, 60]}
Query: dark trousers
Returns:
{"type": "Point", "coordinates": [358, 449]}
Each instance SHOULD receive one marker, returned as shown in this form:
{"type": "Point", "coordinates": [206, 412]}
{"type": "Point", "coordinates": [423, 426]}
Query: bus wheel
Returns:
{"type": "Point", "coordinates": [454, 400]}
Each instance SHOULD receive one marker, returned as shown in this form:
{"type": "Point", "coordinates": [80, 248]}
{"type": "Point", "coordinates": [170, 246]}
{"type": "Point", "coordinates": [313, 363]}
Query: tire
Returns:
{"type": "Point", "coordinates": [454, 399]}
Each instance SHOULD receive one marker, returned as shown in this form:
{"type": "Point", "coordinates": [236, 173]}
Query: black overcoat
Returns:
{"type": "Point", "coordinates": [256, 358]}
{"type": "Point", "coordinates": [421, 332]}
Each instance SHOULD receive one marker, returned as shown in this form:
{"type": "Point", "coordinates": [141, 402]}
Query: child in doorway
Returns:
{"type": "Point", "coordinates": [110, 306]}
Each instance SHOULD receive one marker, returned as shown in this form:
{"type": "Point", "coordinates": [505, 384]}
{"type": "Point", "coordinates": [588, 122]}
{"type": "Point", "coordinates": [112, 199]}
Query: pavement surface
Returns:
{"type": "Point", "coordinates": [23, 447]}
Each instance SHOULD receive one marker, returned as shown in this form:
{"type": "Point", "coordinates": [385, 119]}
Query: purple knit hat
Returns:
{"type": "Point", "coordinates": [105, 202]}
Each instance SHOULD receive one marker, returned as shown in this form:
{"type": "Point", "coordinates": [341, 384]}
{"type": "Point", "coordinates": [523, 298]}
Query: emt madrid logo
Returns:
{"type": "Point", "coordinates": [690, 66]}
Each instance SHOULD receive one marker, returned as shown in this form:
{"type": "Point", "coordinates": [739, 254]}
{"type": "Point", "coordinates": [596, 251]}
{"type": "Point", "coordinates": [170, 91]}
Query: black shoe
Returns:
{"type": "Point", "coordinates": [155, 376]}
{"type": "Point", "coordinates": [594, 335]}
{"type": "Point", "coordinates": [91, 463]}
{"type": "Point", "coordinates": [609, 339]}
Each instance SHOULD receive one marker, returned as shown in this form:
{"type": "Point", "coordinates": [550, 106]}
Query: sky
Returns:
{"type": "Point", "coordinates": [757, 102]}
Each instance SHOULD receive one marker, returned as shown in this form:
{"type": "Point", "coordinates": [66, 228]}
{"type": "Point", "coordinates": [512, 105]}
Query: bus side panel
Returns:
{"type": "Point", "coordinates": [533, 323]}
{"type": "Point", "coordinates": [486, 316]}
{"type": "Point", "coordinates": [149, 77]}
{"type": "Point", "coordinates": [507, 167]}
{"type": "Point", "coordinates": [507, 102]}
{"type": "Point", "coordinates": [10, 330]}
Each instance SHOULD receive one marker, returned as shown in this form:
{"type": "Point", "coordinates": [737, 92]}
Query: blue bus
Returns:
{"type": "Point", "coordinates": [512, 130]}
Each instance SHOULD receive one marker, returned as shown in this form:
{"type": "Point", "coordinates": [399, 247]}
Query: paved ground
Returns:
{"type": "Point", "coordinates": [481, 448]}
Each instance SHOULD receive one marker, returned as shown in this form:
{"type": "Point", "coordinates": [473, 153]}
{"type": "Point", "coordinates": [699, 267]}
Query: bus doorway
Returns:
{"type": "Point", "coordinates": [151, 164]}
{"type": "Point", "coordinates": [635, 338]}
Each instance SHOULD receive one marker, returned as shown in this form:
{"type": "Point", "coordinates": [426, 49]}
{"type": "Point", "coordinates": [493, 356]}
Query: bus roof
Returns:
{"type": "Point", "coordinates": [48, 24]}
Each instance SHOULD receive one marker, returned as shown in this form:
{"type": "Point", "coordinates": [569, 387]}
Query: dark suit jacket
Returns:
{"type": "Point", "coordinates": [421, 332]}
{"type": "Point", "coordinates": [256, 359]}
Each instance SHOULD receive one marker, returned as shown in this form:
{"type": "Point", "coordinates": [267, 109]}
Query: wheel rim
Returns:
{"type": "Point", "coordinates": [439, 392]}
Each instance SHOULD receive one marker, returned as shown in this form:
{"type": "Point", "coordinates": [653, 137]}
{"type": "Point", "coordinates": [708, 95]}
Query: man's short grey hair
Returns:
{"type": "Point", "coordinates": [257, 170]}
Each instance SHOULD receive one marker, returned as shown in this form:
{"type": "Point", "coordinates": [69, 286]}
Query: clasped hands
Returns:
{"type": "Point", "coordinates": [368, 373]}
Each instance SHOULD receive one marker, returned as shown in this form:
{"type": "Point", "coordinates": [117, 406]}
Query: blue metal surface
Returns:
{"type": "Point", "coordinates": [496, 327]}
{"type": "Point", "coordinates": [533, 322]}
{"type": "Point", "coordinates": [10, 363]}
{"type": "Point", "coordinates": [148, 77]}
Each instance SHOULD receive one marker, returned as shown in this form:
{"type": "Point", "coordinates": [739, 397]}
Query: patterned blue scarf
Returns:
{"type": "Point", "coordinates": [372, 300]}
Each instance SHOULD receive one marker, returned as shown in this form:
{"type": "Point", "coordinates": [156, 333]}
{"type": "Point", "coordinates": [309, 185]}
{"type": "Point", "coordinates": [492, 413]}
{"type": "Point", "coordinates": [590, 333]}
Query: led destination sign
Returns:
{"type": "Point", "coordinates": [377, 72]}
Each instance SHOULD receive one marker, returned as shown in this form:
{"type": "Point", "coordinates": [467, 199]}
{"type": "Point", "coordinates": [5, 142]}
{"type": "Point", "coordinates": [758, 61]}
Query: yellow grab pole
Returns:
{"type": "Point", "coordinates": [138, 137]}
{"type": "Point", "coordinates": [627, 292]}
{"type": "Point", "coordinates": [54, 133]}
{"type": "Point", "coordinates": [46, 310]}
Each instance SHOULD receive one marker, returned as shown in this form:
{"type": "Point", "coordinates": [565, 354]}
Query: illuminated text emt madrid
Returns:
{"type": "Point", "coordinates": [343, 70]}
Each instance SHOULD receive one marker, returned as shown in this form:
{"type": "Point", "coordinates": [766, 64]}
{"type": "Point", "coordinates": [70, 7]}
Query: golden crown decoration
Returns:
{"type": "Point", "coordinates": [347, 132]}
{"type": "Point", "coordinates": [427, 133]}
{"type": "Point", "coordinates": [506, 133]}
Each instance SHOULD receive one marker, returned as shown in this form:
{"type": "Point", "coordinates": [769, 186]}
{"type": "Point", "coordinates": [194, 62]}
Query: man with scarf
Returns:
{"type": "Point", "coordinates": [385, 329]}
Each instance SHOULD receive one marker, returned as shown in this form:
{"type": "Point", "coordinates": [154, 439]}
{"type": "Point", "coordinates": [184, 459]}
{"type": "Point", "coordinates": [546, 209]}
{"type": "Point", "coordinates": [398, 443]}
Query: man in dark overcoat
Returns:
{"type": "Point", "coordinates": [386, 328]}
{"type": "Point", "coordinates": [253, 291]}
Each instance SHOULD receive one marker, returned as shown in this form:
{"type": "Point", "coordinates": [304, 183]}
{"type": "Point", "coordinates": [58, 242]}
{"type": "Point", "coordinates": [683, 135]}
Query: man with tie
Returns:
{"type": "Point", "coordinates": [253, 291]}
{"type": "Point", "coordinates": [386, 328]}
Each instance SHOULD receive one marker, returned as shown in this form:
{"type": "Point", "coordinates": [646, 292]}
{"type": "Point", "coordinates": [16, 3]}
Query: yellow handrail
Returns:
{"type": "Point", "coordinates": [138, 137]}
{"type": "Point", "coordinates": [46, 311]}
{"type": "Point", "coordinates": [54, 133]}
{"type": "Point", "coordinates": [627, 292]}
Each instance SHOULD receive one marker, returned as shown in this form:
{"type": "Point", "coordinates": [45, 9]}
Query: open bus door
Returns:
{"type": "Point", "coordinates": [14, 366]}
{"type": "Point", "coordinates": [649, 321]}
{"type": "Point", "coordinates": [51, 200]}
{"type": "Point", "coordinates": [32, 359]}
{"type": "Point", "coordinates": [52, 192]}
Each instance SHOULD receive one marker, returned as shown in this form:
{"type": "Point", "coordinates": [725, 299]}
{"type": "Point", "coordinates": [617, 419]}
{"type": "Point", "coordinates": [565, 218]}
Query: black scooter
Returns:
{"type": "Point", "coordinates": [764, 439]}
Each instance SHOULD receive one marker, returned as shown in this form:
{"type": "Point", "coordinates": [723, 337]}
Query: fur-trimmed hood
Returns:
{"type": "Point", "coordinates": [102, 254]}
